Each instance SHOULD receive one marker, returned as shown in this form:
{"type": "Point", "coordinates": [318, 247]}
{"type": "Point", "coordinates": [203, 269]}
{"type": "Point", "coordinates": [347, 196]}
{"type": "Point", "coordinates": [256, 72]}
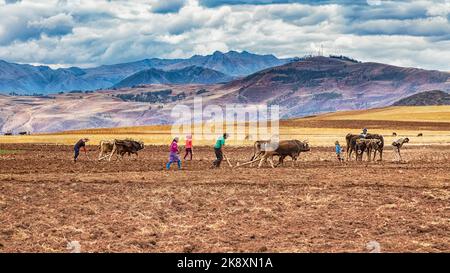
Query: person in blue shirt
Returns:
{"type": "Point", "coordinates": [338, 151]}
{"type": "Point", "coordinates": [218, 150]}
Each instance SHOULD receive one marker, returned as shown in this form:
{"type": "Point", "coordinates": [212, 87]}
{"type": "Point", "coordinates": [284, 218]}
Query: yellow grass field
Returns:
{"type": "Point", "coordinates": [398, 113]}
{"type": "Point", "coordinates": [321, 130]}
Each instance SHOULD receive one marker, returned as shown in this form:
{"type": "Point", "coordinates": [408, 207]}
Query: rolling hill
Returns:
{"type": "Point", "coordinates": [435, 97]}
{"type": "Point", "coordinates": [321, 84]}
{"type": "Point", "coordinates": [187, 75]}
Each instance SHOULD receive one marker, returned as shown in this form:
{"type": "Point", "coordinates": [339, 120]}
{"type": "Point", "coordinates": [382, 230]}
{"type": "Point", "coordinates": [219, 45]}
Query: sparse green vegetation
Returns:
{"type": "Point", "coordinates": [344, 58]}
{"type": "Point", "coordinates": [162, 96]}
{"type": "Point", "coordinates": [39, 95]}
{"type": "Point", "coordinates": [7, 152]}
{"type": "Point", "coordinates": [434, 97]}
{"type": "Point", "coordinates": [201, 91]}
{"type": "Point", "coordinates": [308, 78]}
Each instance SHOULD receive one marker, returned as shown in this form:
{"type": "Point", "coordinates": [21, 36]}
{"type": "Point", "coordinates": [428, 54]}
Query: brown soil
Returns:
{"type": "Point", "coordinates": [135, 205]}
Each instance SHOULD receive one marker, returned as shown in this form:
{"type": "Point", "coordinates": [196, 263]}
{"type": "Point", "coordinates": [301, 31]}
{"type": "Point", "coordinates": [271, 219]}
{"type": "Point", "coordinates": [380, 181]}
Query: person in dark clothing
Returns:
{"type": "Point", "coordinates": [80, 144]}
{"type": "Point", "coordinates": [218, 150]}
{"type": "Point", "coordinates": [219, 157]}
{"type": "Point", "coordinates": [364, 133]}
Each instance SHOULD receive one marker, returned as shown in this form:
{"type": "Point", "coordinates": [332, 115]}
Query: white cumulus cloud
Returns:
{"type": "Point", "coordinates": [94, 32]}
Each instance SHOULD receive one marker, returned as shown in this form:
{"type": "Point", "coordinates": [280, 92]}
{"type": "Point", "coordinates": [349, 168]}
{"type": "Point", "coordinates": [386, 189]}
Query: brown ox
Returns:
{"type": "Point", "coordinates": [119, 147]}
{"type": "Point", "coordinates": [366, 145]}
{"type": "Point", "coordinates": [128, 146]}
{"type": "Point", "coordinates": [260, 146]}
{"type": "Point", "coordinates": [351, 144]}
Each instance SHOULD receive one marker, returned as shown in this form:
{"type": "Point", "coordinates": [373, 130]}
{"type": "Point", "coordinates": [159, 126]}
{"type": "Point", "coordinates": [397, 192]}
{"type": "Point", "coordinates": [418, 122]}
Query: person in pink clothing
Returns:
{"type": "Point", "coordinates": [173, 157]}
{"type": "Point", "coordinates": [188, 147]}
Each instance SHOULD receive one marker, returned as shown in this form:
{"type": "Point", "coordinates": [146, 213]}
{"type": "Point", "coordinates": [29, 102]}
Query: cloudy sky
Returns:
{"type": "Point", "coordinates": [88, 33]}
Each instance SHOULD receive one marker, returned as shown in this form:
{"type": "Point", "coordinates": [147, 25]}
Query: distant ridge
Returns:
{"type": "Point", "coordinates": [187, 75]}
{"type": "Point", "coordinates": [29, 79]}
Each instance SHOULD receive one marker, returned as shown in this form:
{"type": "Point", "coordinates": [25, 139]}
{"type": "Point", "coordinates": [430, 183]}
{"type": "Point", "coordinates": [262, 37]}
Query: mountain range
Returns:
{"type": "Point", "coordinates": [302, 87]}
{"type": "Point", "coordinates": [29, 79]}
{"type": "Point", "coordinates": [187, 75]}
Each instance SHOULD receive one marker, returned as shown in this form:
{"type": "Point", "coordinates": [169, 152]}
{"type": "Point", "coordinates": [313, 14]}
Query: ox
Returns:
{"type": "Point", "coordinates": [106, 147]}
{"type": "Point", "coordinates": [119, 147]}
{"type": "Point", "coordinates": [128, 146]}
{"type": "Point", "coordinates": [284, 148]}
{"type": "Point", "coordinates": [258, 148]}
{"type": "Point", "coordinates": [366, 145]}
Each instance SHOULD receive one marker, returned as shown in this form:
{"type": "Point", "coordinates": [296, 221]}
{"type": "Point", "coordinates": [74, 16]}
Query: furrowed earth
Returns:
{"type": "Point", "coordinates": [134, 205]}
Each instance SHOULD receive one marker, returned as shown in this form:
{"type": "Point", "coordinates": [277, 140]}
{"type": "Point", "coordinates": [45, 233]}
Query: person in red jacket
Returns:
{"type": "Point", "coordinates": [188, 147]}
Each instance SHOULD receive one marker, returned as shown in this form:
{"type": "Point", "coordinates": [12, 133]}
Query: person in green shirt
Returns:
{"type": "Point", "coordinates": [218, 150]}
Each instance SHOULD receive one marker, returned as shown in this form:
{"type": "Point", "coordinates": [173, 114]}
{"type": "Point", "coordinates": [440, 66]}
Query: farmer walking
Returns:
{"type": "Point", "coordinates": [80, 144]}
{"type": "Point", "coordinates": [188, 147]}
{"type": "Point", "coordinates": [173, 156]}
{"type": "Point", "coordinates": [218, 150]}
